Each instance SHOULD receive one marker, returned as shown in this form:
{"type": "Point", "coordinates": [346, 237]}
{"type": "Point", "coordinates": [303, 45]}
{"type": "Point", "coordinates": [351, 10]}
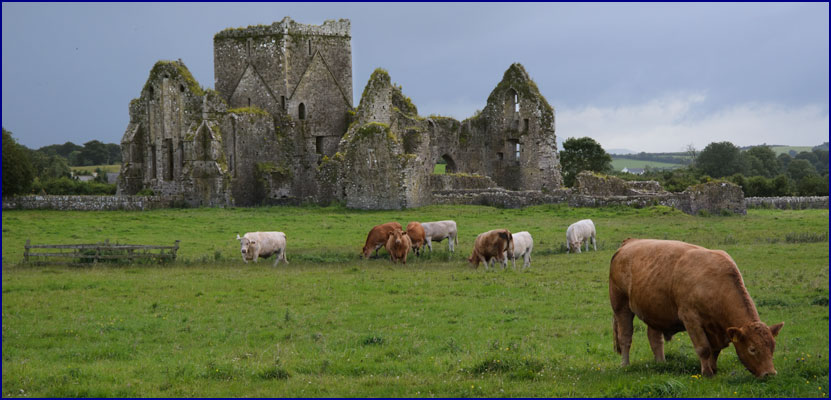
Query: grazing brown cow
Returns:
{"type": "Point", "coordinates": [675, 286]}
{"type": "Point", "coordinates": [398, 245]}
{"type": "Point", "coordinates": [377, 238]}
{"type": "Point", "coordinates": [492, 246]}
{"type": "Point", "coordinates": [416, 233]}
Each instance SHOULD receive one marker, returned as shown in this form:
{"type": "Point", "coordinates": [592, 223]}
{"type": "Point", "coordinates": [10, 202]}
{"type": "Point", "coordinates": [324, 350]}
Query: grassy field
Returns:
{"type": "Point", "coordinates": [621, 163]}
{"type": "Point", "coordinates": [786, 149]}
{"type": "Point", "coordinates": [330, 324]}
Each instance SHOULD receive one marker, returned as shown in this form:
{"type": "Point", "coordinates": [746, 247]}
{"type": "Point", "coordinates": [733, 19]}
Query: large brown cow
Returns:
{"type": "Point", "coordinates": [416, 233]}
{"type": "Point", "coordinates": [377, 238]}
{"type": "Point", "coordinates": [675, 286]}
{"type": "Point", "coordinates": [492, 246]}
{"type": "Point", "coordinates": [398, 245]}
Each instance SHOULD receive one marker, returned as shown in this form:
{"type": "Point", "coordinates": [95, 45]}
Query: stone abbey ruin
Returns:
{"type": "Point", "coordinates": [280, 128]}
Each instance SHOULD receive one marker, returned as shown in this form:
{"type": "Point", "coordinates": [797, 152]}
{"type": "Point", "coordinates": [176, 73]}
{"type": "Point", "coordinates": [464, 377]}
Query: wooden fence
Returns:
{"type": "Point", "coordinates": [95, 253]}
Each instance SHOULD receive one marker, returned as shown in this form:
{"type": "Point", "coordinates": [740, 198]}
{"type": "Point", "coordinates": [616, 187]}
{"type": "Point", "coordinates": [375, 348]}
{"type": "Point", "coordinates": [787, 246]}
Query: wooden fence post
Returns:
{"type": "Point", "coordinates": [26, 252]}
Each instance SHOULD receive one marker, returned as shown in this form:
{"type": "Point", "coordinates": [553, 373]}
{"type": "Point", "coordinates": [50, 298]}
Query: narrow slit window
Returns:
{"type": "Point", "coordinates": [516, 102]}
{"type": "Point", "coordinates": [283, 102]}
{"type": "Point", "coordinates": [301, 111]}
{"type": "Point", "coordinates": [517, 151]}
{"type": "Point", "coordinates": [310, 47]}
{"type": "Point", "coordinates": [319, 144]}
{"type": "Point", "coordinates": [525, 125]}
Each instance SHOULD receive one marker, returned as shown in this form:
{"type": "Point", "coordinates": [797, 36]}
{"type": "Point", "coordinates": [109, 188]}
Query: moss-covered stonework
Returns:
{"type": "Point", "coordinates": [280, 128]}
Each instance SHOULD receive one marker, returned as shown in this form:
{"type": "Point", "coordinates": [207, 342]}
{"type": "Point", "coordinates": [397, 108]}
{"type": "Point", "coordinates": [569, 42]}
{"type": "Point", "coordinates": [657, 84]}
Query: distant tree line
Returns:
{"type": "Point", "coordinates": [48, 169]}
{"type": "Point", "coordinates": [669, 158]}
{"type": "Point", "coordinates": [758, 170]}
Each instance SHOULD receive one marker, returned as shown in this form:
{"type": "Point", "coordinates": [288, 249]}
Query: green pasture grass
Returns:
{"type": "Point", "coordinates": [621, 163]}
{"type": "Point", "coordinates": [439, 169]}
{"type": "Point", "coordinates": [330, 324]}
{"type": "Point", "coordinates": [786, 149]}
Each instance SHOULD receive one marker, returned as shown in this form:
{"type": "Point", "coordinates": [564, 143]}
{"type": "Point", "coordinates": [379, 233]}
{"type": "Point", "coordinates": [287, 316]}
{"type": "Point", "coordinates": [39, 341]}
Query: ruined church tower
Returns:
{"type": "Point", "coordinates": [287, 68]}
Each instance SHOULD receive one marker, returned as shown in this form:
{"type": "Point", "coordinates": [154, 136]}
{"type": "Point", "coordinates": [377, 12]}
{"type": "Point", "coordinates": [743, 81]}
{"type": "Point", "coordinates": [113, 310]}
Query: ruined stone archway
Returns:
{"type": "Point", "coordinates": [450, 164]}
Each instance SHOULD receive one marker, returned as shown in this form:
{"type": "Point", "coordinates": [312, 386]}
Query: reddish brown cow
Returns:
{"type": "Point", "coordinates": [416, 233]}
{"type": "Point", "coordinates": [675, 286]}
{"type": "Point", "coordinates": [377, 238]}
{"type": "Point", "coordinates": [491, 246]}
{"type": "Point", "coordinates": [398, 245]}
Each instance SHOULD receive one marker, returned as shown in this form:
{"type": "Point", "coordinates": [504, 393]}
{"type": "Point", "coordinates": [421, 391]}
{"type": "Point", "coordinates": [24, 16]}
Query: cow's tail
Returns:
{"type": "Point", "coordinates": [456, 238]}
{"type": "Point", "coordinates": [615, 336]}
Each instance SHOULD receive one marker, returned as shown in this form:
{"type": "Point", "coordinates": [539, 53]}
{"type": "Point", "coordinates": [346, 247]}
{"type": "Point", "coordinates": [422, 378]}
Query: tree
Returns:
{"type": "Point", "coordinates": [812, 185]}
{"type": "Point", "coordinates": [95, 153]}
{"type": "Point", "coordinates": [799, 169]}
{"type": "Point", "coordinates": [583, 154]}
{"type": "Point", "coordinates": [762, 161]}
{"type": "Point", "coordinates": [784, 160]}
{"type": "Point", "coordinates": [17, 167]}
{"type": "Point", "coordinates": [720, 159]}
{"type": "Point", "coordinates": [114, 153]}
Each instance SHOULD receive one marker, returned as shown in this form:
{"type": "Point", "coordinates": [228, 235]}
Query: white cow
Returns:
{"type": "Point", "coordinates": [523, 245]}
{"type": "Point", "coordinates": [439, 231]}
{"type": "Point", "coordinates": [254, 245]}
{"type": "Point", "coordinates": [579, 232]}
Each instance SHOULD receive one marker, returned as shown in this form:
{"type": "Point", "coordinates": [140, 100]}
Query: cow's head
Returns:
{"type": "Point", "coordinates": [397, 235]}
{"type": "Point", "coordinates": [575, 246]}
{"type": "Point", "coordinates": [247, 247]}
{"type": "Point", "coordinates": [754, 345]}
{"type": "Point", "coordinates": [507, 241]}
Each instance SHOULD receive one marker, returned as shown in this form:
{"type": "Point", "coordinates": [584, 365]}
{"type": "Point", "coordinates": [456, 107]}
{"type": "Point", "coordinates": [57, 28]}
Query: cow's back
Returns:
{"type": "Point", "coordinates": [416, 233]}
{"type": "Point", "coordinates": [661, 276]}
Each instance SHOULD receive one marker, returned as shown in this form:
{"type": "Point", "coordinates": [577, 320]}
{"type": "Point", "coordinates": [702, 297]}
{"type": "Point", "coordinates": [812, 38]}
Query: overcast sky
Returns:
{"type": "Point", "coordinates": [646, 77]}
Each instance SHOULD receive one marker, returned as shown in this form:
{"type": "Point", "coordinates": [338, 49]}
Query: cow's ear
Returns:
{"type": "Point", "coordinates": [735, 334]}
{"type": "Point", "coordinates": [237, 236]}
{"type": "Point", "coordinates": [774, 330]}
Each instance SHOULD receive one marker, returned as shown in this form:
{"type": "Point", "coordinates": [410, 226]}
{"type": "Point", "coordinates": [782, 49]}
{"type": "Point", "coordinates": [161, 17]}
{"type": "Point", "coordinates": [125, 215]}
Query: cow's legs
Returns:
{"type": "Point", "coordinates": [284, 256]}
{"type": "Point", "coordinates": [594, 243]}
{"type": "Point", "coordinates": [527, 262]}
{"type": "Point", "coordinates": [429, 243]}
{"type": "Point", "coordinates": [450, 244]}
{"type": "Point", "coordinates": [656, 342]}
{"type": "Point", "coordinates": [700, 342]}
{"type": "Point", "coordinates": [622, 323]}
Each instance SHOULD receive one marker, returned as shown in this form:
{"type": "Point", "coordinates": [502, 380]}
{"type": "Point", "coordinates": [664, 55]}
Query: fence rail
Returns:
{"type": "Point", "coordinates": [95, 253]}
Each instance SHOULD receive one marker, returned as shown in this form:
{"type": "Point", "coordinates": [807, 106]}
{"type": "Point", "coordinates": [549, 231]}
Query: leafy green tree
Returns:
{"type": "Point", "coordinates": [114, 153]}
{"type": "Point", "coordinates": [822, 161]}
{"type": "Point", "coordinates": [782, 186]}
{"type": "Point", "coordinates": [800, 168]}
{"type": "Point", "coordinates": [95, 153]}
{"type": "Point", "coordinates": [18, 172]}
{"type": "Point", "coordinates": [583, 154]}
{"type": "Point", "coordinates": [812, 185]}
{"type": "Point", "coordinates": [784, 160]}
{"type": "Point", "coordinates": [762, 161]}
{"type": "Point", "coordinates": [720, 159]}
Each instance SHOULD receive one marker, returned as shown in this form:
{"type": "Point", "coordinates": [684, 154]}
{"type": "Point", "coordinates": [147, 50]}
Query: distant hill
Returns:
{"type": "Point", "coordinates": [621, 151]}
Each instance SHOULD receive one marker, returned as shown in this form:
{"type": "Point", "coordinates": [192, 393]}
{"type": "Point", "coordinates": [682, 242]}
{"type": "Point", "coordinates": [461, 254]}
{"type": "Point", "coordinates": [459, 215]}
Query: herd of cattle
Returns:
{"type": "Point", "coordinates": [670, 285]}
{"type": "Point", "coordinates": [497, 245]}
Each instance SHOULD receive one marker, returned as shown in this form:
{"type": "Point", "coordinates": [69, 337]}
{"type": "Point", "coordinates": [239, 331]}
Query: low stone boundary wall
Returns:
{"type": "Point", "coordinates": [91, 203]}
{"type": "Point", "coordinates": [788, 203]}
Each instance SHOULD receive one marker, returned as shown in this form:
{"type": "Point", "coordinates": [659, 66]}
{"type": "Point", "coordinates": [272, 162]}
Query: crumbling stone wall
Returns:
{"type": "Point", "coordinates": [91, 203]}
{"type": "Point", "coordinates": [594, 184]}
{"type": "Point", "coordinates": [788, 203]}
{"type": "Point", "coordinates": [713, 198]}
